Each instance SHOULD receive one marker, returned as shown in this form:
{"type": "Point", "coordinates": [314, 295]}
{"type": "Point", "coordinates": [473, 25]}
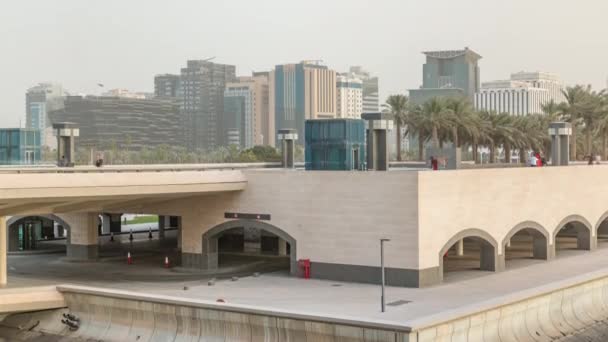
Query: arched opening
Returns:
{"type": "Point", "coordinates": [525, 242]}
{"type": "Point", "coordinates": [601, 231]}
{"type": "Point", "coordinates": [467, 253]}
{"type": "Point", "coordinates": [40, 232]}
{"type": "Point", "coordinates": [573, 234]}
{"type": "Point", "coordinates": [240, 241]}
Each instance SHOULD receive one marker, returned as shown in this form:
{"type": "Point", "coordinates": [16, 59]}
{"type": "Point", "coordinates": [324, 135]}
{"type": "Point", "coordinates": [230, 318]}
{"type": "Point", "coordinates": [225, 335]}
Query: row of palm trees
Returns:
{"type": "Point", "coordinates": [453, 120]}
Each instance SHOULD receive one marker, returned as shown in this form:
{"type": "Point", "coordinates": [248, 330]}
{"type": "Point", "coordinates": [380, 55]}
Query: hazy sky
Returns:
{"type": "Point", "coordinates": [124, 43]}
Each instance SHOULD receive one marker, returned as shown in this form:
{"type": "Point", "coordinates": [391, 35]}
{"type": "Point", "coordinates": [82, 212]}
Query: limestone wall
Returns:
{"type": "Point", "coordinates": [497, 200]}
{"type": "Point", "coordinates": [335, 217]}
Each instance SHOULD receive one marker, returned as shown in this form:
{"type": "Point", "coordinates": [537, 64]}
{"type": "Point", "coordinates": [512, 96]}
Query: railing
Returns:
{"type": "Point", "coordinates": [139, 168]}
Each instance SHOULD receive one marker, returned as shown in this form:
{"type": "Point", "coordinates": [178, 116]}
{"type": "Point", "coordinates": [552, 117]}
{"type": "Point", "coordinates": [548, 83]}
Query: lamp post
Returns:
{"type": "Point", "coordinates": [382, 241]}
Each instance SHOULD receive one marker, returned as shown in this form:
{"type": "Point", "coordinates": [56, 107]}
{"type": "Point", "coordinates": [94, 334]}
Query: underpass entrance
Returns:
{"type": "Point", "coordinates": [241, 242]}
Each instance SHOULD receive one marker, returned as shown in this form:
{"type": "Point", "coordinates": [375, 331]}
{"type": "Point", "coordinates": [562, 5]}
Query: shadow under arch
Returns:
{"type": "Point", "coordinates": [540, 238]}
{"type": "Point", "coordinates": [489, 258]}
{"type": "Point", "coordinates": [578, 226]}
{"type": "Point", "coordinates": [15, 220]}
{"type": "Point", "coordinates": [600, 221]}
{"type": "Point", "coordinates": [210, 241]}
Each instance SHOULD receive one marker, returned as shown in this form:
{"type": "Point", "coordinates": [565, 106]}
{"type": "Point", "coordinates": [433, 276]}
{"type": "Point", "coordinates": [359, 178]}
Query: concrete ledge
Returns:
{"type": "Point", "coordinates": [373, 275]}
{"type": "Point", "coordinates": [30, 299]}
{"type": "Point", "coordinates": [88, 298]}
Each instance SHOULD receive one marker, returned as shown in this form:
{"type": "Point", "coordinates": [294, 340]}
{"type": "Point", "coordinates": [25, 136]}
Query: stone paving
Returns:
{"type": "Point", "coordinates": [462, 291]}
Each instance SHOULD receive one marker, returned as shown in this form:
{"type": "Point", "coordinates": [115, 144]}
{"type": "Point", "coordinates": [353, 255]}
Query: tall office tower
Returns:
{"type": "Point", "coordinates": [371, 99]}
{"type": "Point", "coordinates": [525, 93]}
{"type": "Point", "coordinates": [125, 122]}
{"type": "Point", "coordinates": [349, 97]}
{"type": "Point", "coordinates": [39, 101]}
{"type": "Point", "coordinates": [299, 92]}
{"type": "Point", "coordinates": [246, 113]}
{"type": "Point", "coordinates": [167, 85]}
{"type": "Point", "coordinates": [453, 73]}
{"type": "Point", "coordinates": [203, 84]}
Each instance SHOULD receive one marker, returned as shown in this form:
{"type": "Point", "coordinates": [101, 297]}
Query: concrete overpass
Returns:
{"type": "Point", "coordinates": [335, 219]}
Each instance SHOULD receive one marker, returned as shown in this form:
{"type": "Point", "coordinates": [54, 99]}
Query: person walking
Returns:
{"type": "Point", "coordinates": [532, 161]}
{"type": "Point", "coordinates": [539, 161]}
{"type": "Point", "coordinates": [434, 163]}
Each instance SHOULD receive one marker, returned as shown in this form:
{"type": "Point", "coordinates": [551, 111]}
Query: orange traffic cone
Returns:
{"type": "Point", "coordinates": [129, 259]}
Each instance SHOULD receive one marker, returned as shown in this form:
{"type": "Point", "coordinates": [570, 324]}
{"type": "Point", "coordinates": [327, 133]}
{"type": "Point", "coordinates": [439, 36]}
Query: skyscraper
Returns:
{"type": "Point", "coordinates": [371, 102]}
{"type": "Point", "coordinates": [125, 122]}
{"type": "Point", "coordinates": [203, 84]}
{"type": "Point", "coordinates": [167, 85]}
{"type": "Point", "coordinates": [453, 73]}
{"type": "Point", "coordinates": [299, 92]}
{"type": "Point", "coordinates": [349, 97]}
{"type": "Point", "coordinates": [39, 101]}
{"type": "Point", "coordinates": [246, 119]}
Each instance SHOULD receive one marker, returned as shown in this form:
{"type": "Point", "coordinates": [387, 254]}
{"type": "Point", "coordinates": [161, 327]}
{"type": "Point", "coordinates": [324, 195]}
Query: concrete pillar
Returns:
{"type": "Point", "coordinates": [66, 133]}
{"type": "Point", "coordinates": [378, 125]}
{"type": "Point", "coordinates": [105, 224]}
{"type": "Point", "coordinates": [288, 139]}
{"type": "Point", "coordinates": [161, 226]}
{"type": "Point", "coordinates": [115, 223]}
{"type": "Point", "coordinates": [83, 236]}
{"type": "Point", "coordinates": [540, 248]}
{"type": "Point", "coordinates": [282, 247]}
{"type": "Point", "coordinates": [584, 240]}
{"type": "Point", "coordinates": [560, 142]}
{"type": "Point", "coordinates": [253, 240]}
{"type": "Point", "coordinates": [179, 233]}
{"type": "Point", "coordinates": [3, 252]}
{"type": "Point", "coordinates": [490, 260]}
{"type": "Point", "coordinates": [460, 247]}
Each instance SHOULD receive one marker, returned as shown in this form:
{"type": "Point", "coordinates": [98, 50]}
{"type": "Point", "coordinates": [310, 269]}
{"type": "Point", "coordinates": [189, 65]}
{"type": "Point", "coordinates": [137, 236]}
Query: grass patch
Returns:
{"type": "Point", "coordinates": [143, 219]}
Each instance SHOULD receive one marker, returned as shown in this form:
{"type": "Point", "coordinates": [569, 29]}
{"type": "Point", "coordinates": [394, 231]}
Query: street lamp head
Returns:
{"type": "Point", "coordinates": [385, 239]}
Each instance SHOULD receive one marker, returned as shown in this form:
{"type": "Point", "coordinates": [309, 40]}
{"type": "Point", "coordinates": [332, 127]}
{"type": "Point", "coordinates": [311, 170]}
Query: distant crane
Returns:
{"type": "Point", "coordinates": [208, 59]}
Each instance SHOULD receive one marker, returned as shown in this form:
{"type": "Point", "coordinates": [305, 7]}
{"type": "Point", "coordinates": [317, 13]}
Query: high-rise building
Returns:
{"type": "Point", "coordinates": [39, 101]}
{"type": "Point", "coordinates": [124, 122]}
{"type": "Point", "coordinates": [525, 93]}
{"type": "Point", "coordinates": [167, 85]}
{"type": "Point", "coordinates": [246, 120]}
{"type": "Point", "coordinates": [371, 98]}
{"type": "Point", "coordinates": [349, 97]}
{"type": "Point", "coordinates": [299, 92]}
{"type": "Point", "coordinates": [203, 84]}
{"type": "Point", "coordinates": [453, 73]}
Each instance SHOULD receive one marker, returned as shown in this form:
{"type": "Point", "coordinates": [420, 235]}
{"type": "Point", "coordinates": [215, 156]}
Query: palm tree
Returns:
{"type": "Point", "coordinates": [602, 122]}
{"type": "Point", "coordinates": [501, 131]}
{"type": "Point", "coordinates": [434, 117]}
{"type": "Point", "coordinates": [397, 106]}
{"type": "Point", "coordinates": [462, 116]}
{"type": "Point", "coordinates": [415, 126]}
{"type": "Point", "coordinates": [571, 110]}
{"type": "Point", "coordinates": [552, 109]}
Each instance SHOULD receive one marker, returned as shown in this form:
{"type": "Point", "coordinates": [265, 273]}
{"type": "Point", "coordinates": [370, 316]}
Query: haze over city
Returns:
{"type": "Point", "coordinates": [124, 44]}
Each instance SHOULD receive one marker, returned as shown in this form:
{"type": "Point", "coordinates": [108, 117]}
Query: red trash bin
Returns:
{"type": "Point", "coordinates": [305, 265]}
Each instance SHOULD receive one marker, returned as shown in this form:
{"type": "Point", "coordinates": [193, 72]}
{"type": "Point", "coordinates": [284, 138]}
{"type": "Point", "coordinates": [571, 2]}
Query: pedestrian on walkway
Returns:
{"type": "Point", "coordinates": [434, 163]}
{"type": "Point", "coordinates": [532, 161]}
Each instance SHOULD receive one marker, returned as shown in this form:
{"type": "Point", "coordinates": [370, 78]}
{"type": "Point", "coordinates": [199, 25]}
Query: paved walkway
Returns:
{"type": "Point", "coordinates": [277, 291]}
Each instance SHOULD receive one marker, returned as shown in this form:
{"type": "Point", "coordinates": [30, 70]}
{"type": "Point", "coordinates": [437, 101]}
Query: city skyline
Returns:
{"type": "Point", "coordinates": [86, 44]}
